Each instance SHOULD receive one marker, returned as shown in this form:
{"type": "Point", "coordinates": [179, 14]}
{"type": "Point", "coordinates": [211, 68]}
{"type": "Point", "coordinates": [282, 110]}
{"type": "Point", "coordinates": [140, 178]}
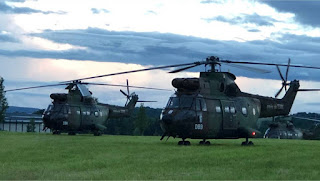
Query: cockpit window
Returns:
{"type": "Point", "coordinates": [50, 107]}
{"type": "Point", "coordinates": [187, 102]}
{"type": "Point", "coordinates": [180, 102]}
{"type": "Point", "coordinates": [65, 109]}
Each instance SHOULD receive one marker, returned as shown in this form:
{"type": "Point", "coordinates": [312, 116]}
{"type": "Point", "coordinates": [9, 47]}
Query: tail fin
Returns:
{"type": "Point", "coordinates": [290, 96]}
{"type": "Point", "coordinates": [271, 107]}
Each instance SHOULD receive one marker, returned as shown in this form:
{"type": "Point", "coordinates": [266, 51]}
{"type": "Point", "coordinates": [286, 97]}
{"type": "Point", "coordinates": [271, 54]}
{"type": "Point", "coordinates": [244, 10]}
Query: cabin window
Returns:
{"type": "Point", "coordinates": [227, 109]}
{"type": "Point", "coordinates": [88, 113]}
{"type": "Point", "coordinates": [100, 113]}
{"type": "Point", "coordinates": [78, 112]}
{"type": "Point", "coordinates": [218, 109]}
{"type": "Point", "coordinates": [233, 110]}
{"type": "Point", "coordinates": [254, 111]}
{"type": "Point", "coordinates": [96, 113]}
{"type": "Point", "coordinates": [84, 113]}
{"type": "Point", "coordinates": [203, 105]}
{"type": "Point", "coordinates": [244, 111]}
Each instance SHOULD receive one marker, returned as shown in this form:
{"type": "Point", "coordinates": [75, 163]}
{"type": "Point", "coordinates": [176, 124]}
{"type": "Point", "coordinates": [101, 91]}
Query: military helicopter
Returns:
{"type": "Point", "coordinates": [283, 129]}
{"type": "Point", "coordinates": [78, 111]}
{"type": "Point", "coordinates": [213, 107]}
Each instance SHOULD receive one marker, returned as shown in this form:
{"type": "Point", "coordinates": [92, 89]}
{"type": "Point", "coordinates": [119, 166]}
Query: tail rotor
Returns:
{"type": "Point", "coordinates": [284, 79]}
{"type": "Point", "coordinates": [126, 94]}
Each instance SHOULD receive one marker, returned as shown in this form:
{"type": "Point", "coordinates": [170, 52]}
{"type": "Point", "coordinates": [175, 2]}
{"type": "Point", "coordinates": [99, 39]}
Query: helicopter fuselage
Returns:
{"type": "Point", "coordinates": [213, 107]}
{"type": "Point", "coordinates": [74, 112]}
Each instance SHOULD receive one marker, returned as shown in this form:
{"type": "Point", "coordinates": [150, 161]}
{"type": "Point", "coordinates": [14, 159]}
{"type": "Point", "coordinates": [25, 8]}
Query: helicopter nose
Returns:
{"type": "Point", "coordinates": [167, 119]}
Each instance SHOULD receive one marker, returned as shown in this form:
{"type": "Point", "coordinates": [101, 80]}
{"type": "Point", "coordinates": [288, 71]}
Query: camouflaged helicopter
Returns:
{"type": "Point", "coordinates": [213, 107]}
{"type": "Point", "coordinates": [283, 130]}
{"type": "Point", "coordinates": [78, 111]}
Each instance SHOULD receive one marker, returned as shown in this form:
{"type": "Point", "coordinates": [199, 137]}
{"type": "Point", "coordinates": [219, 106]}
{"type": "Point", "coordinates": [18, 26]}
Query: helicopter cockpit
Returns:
{"type": "Point", "coordinates": [56, 116]}
{"type": "Point", "coordinates": [192, 102]}
{"type": "Point", "coordinates": [58, 108]}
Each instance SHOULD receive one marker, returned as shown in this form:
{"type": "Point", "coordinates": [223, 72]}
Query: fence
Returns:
{"type": "Point", "coordinates": [22, 126]}
{"type": "Point", "coordinates": [20, 123]}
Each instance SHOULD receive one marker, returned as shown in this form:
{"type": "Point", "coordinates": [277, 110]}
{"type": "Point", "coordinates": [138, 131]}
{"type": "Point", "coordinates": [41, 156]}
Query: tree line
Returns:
{"type": "Point", "coordinates": [144, 121]}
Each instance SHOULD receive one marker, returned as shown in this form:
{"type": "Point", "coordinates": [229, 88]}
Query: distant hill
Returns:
{"type": "Point", "coordinates": [28, 110]}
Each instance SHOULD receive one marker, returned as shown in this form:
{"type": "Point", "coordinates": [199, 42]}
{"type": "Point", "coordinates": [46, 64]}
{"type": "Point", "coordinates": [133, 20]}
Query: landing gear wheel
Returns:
{"type": "Point", "coordinates": [207, 143]}
{"type": "Point", "coordinates": [56, 132]}
{"type": "Point", "coordinates": [187, 143]}
{"type": "Point", "coordinates": [247, 143]}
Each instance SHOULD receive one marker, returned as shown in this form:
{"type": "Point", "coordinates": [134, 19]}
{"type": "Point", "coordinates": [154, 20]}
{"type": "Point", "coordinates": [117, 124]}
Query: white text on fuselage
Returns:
{"type": "Point", "coordinates": [275, 106]}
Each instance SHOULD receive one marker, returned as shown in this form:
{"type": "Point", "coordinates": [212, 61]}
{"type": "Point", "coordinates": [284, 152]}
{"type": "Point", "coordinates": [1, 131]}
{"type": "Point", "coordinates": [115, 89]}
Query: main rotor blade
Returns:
{"type": "Point", "coordinates": [306, 90]}
{"type": "Point", "coordinates": [146, 101]}
{"type": "Point", "coordinates": [118, 85]}
{"type": "Point", "coordinates": [132, 71]}
{"type": "Point", "coordinates": [34, 87]}
{"type": "Point", "coordinates": [253, 69]}
{"type": "Point", "coordinates": [262, 63]}
{"type": "Point", "coordinates": [185, 68]}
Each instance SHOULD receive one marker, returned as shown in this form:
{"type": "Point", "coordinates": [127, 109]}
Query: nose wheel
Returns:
{"type": "Point", "coordinates": [247, 143]}
{"type": "Point", "coordinates": [204, 142]}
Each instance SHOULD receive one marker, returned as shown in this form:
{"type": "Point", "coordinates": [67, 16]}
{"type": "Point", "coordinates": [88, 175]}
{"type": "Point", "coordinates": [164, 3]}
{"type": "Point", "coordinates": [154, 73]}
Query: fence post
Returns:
{"type": "Point", "coordinates": [22, 126]}
{"type": "Point", "coordinates": [9, 125]}
{"type": "Point", "coordinates": [16, 125]}
{"type": "Point", "coordinates": [39, 127]}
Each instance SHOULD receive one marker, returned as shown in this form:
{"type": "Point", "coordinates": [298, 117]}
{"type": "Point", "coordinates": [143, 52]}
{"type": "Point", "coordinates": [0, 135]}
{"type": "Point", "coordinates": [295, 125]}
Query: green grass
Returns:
{"type": "Point", "coordinates": [32, 156]}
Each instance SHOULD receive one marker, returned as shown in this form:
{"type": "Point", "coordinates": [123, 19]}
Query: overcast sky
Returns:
{"type": "Point", "coordinates": [45, 41]}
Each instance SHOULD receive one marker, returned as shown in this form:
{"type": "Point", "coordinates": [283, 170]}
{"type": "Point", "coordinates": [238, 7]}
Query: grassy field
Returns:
{"type": "Point", "coordinates": [32, 156]}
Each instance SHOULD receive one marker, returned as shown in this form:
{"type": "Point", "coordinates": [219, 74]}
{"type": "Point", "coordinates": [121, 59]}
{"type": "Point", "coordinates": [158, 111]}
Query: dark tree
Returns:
{"type": "Point", "coordinates": [31, 126]}
{"type": "Point", "coordinates": [3, 101]}
{"type": "Point", "coordinates": [141, 121]}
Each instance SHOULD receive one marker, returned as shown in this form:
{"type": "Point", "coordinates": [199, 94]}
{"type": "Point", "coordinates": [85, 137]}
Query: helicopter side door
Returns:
{"type": "Point", "coordinates": [230, 123]}
{"type": "Point", "coordinates": [201, 126]}
{"type": "Point", "coordinates": [75, 117]}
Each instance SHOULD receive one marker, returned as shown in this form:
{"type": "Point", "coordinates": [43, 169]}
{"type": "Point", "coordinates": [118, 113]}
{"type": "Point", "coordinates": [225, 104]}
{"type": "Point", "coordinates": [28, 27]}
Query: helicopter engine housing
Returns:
{"type": "Point", "coordinates": [186, 83]}
{"type": "Point", "coordinates": [59, 97]}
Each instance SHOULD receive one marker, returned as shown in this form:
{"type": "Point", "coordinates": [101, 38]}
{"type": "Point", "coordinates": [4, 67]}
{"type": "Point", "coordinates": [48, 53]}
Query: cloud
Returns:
{"type": "Point", "coordinates": [152, 48]}
{"type": "Point", "coordinates": [306, 12]}
{"type": "Point", "coordinates": [4, 8]}
{"type": "Point", "coordinates": [245, 19]}
{"type": "Point", "coordinates": [6, 37]}
{"type": "Point", "coordinates": [210, 2]}
{"type": "Point", "coordinates": [254, 30]}
{"type": "Point", "coordinates": [98, 11]}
